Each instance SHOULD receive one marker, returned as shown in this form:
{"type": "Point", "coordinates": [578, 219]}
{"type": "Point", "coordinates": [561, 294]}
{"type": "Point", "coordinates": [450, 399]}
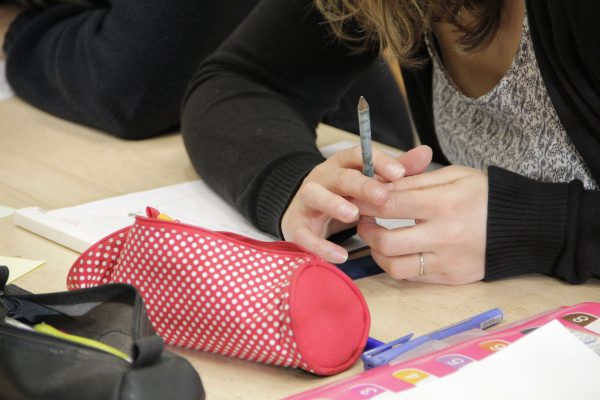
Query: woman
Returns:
{"type": "Point", "coordinates": [507, 90]}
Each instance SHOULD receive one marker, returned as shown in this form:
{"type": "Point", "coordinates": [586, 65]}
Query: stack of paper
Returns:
{"type": "Point", "coordinates": [81, 226]}
{"type": "Point", "coordinates": [549, 363]}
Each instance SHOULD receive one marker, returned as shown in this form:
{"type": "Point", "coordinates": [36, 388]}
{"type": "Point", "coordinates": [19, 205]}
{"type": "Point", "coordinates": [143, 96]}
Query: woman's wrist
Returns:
{"type": "Point", "coordinates": [276, 188]}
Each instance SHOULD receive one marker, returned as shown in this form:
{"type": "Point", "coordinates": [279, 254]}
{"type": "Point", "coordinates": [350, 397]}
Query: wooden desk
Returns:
{"type": "Point", "coordinates": [50, 163]}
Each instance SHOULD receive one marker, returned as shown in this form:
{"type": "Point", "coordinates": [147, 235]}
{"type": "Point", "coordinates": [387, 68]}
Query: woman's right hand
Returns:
{"type": "Point", "coordinates": [323, 204]}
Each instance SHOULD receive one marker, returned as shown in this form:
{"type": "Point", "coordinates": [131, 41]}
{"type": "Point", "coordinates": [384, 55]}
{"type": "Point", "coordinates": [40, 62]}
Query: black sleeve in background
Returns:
{"type": "Point", "coordinates": [123, 68]}
{"type": "Point", "coordinates": [251, 110]}
{"type": "Point", "coordinates": [539, 227]}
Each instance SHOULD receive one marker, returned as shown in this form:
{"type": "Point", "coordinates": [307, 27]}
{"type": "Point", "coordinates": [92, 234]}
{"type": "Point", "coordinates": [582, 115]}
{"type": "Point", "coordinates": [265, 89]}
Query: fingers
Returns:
{"type": "Point", "coordinates": [399, 251]}
{"type": "Point", "coordinates": [316, 197]}
{"type": "Point", "coordinates": [429, 179]}
{"type": "Point", "coordinates": [349, 181]}
{"type": "Point", "coordinates": [323, 248]}
{"type": "Point", "coordinates": [435, 270]}
{"type": "Point", "coordinates": [385, 165]}
{"type": "Point", "coordinates": [422, 196]}
{"type": "Point", "coordinates": [416, 161]}
{"type": "Point", "coordinates": [400, 260]}
{"type": "Point", "coordinates": [450, 206]}
{"type": "Point", "coordinates": [409, 204]}
{"type": "Point", "coordinates": [332, 192]}
{"type": "Point", "coordinates": [394, 242]}
{"type": "Point", "coordinates": [407, 266]}
{"type": "Point", "coordinates": [352, 183]}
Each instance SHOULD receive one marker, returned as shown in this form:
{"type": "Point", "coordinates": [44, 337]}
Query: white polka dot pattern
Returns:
{"type": "Point", "coordinates": [209, 291]}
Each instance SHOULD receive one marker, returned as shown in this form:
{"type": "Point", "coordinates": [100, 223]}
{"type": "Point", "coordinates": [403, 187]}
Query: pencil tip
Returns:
{"type": "Point", "coordinates": [362, 104]}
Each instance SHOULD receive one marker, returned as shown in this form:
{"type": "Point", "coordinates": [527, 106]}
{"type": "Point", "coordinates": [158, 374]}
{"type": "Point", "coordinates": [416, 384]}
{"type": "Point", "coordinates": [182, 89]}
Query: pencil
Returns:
{"type": "Point", "coordinates": [364, 125]}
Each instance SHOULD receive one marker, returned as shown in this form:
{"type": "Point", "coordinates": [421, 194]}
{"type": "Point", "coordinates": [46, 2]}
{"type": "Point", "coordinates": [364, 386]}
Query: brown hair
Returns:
{"type": "Point", "coordinates": [398, 25]}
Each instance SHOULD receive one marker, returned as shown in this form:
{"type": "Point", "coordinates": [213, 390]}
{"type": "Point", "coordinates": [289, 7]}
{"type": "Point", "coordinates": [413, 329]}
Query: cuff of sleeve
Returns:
{"type": "Point", "coordinates": [526, 225]}
{"type": "Point", "coordinates": [278, 187]}
{"type": "Point", "coordinates": [18, 26]}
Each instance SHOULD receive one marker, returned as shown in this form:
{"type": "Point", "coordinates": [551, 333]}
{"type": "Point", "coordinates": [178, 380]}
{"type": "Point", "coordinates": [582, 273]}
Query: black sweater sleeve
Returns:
{"type": "Point", "coordinates": [251, 111]}
{"type": "Point", "coordinates": [540, 227]}
{"type": "Point", "coordinates": [122, 68]}
{"type": "Point", "coordinates": [548, 228]}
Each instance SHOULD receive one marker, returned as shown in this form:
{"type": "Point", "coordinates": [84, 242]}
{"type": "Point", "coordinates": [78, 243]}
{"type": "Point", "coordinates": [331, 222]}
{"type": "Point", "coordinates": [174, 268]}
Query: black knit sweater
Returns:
{"type": "Point", "coordinates": [122, 68]}
{"type": "Point", "coordinates": [252, 108]}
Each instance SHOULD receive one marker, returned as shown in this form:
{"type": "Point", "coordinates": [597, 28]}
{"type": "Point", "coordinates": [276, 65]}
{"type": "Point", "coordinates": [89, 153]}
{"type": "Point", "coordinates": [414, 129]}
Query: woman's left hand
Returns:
{"type": "Point", "coordinates": [449, 207]}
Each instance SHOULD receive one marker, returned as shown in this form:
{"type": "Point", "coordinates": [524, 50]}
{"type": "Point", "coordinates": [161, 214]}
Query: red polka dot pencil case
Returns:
{"type": "Point", "coordinates": [270, 302]}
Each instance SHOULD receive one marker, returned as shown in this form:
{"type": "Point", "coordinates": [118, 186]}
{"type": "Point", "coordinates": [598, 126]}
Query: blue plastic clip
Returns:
{"type": "Point", "coordinates": [384, 354]}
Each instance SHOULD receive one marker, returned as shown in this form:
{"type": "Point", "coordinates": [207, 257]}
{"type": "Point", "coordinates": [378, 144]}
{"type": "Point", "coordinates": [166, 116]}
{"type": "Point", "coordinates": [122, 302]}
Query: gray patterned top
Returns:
{"type": "Point", "coordinates": [513, 126]}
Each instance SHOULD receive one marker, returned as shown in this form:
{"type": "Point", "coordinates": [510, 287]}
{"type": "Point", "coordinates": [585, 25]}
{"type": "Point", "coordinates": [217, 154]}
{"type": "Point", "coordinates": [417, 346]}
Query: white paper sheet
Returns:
{"type": "Point", "coordinates": [549, 363]}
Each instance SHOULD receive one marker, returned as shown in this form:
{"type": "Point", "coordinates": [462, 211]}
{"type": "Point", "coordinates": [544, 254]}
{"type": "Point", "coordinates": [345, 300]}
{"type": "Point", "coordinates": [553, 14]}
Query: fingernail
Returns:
{"type": "Point", "coordinates": [395, 171]}
{"type": "Point", "coordinates": [347, 211]}
{"type": "Point", "coordinates": [337, 256]}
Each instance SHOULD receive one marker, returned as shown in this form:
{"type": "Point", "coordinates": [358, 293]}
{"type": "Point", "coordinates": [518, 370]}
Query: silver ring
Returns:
{"type": "Point", "coordinates": [421, 265]}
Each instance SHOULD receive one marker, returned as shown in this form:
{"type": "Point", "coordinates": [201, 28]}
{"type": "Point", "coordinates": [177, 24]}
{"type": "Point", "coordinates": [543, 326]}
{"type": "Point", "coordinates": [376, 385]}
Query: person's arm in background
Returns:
{"type": "Point", "coordinates": [8, 13]}
{"type": "Point", "coordinates": [122, 68]}
{"type": "Point", "coordinates": [250, 115]}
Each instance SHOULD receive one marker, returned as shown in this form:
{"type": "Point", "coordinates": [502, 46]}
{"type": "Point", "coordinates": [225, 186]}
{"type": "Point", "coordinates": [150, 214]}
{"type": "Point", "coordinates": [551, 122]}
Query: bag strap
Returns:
{"type": "Point", "coordinates": [147, 351]}
{"type": "Point", "coordinates": [24, 309]}
{"type": "Point", "coordinates": [19, 308]}
{"type": "Point", "coordinates": [3, 277]}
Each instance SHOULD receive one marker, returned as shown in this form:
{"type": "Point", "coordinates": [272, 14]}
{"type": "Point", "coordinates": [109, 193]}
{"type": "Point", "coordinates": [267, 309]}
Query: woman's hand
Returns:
{"type": "Point", "coordinates": [449, 207]}
{"type": "Point", "coordinates": [324, 203]}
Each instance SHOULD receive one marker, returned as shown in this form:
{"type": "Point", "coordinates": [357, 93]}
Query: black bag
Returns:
{"type": "Point", "coordinates": [35, 365]}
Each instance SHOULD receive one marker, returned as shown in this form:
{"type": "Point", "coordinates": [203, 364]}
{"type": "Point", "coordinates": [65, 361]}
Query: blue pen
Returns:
{"type": "Point", "coordinates": [383, 355]}
{"type": "Point", "coordinates": [372, 343]}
